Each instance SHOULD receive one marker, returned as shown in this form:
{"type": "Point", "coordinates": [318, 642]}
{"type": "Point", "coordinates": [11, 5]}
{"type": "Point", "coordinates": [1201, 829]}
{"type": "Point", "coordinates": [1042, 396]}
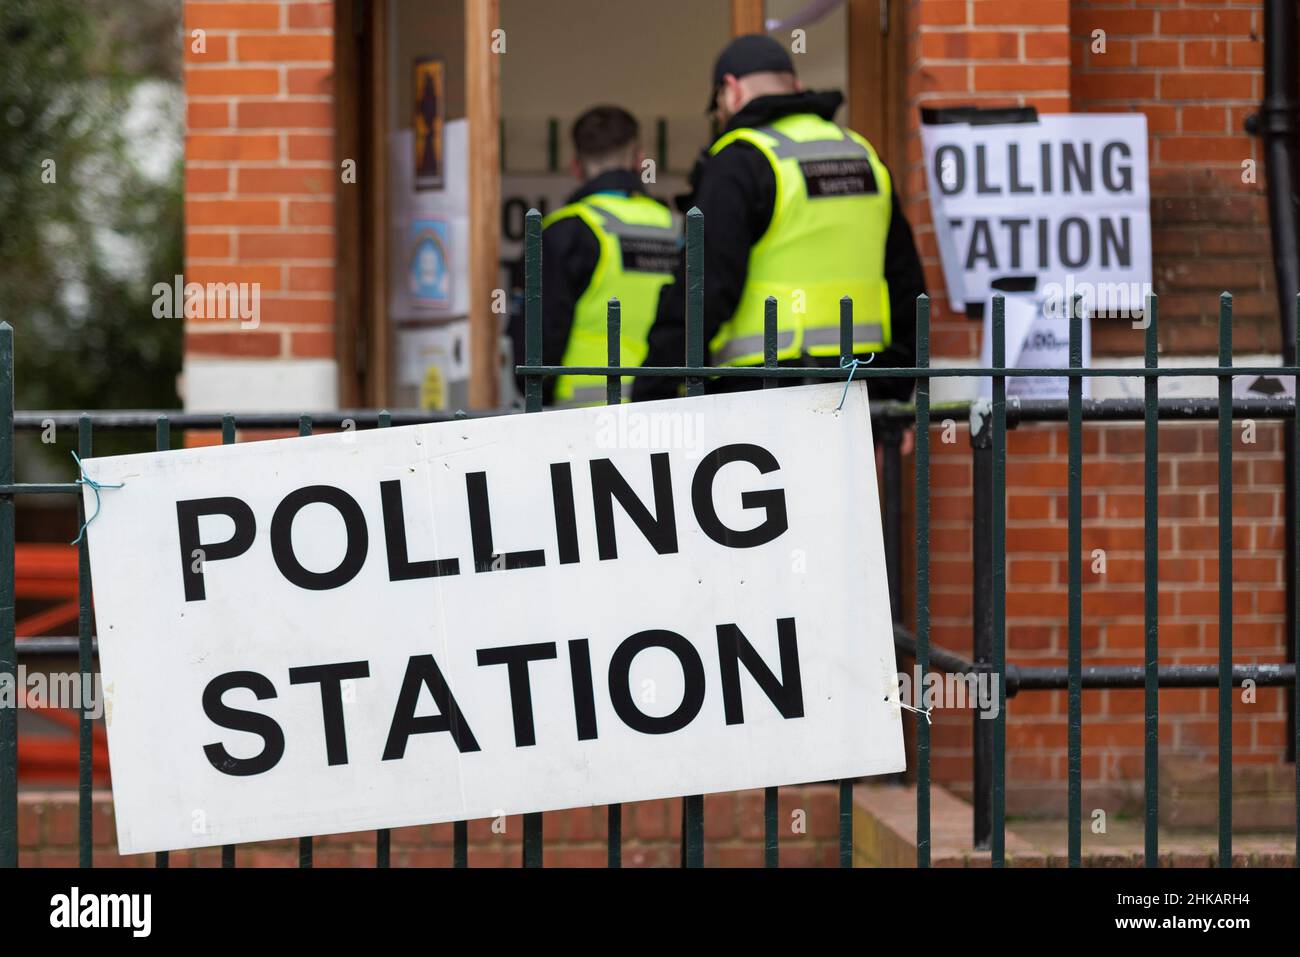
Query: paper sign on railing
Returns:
{"type": "Point", "coordinates": [492, 616]}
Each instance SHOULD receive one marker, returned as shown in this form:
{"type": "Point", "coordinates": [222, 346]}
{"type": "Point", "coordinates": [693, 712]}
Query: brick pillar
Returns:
{"type": "Point", "coordinates": [260, 181]}
{"type": "Point", "coordinates": [1196, 74]}
{"type": "Point", "coordinates": [980, 53]}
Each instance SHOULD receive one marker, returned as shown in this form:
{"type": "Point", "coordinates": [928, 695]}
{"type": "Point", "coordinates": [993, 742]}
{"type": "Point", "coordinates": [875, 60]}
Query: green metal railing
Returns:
{"type": "Point", "coordinates": [990, 424]}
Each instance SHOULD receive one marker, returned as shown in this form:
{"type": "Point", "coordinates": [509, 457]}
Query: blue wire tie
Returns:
{"type": "Point", "coordinates": [852, 366]}
{"type": "Point", "coordinates": [87, 480]}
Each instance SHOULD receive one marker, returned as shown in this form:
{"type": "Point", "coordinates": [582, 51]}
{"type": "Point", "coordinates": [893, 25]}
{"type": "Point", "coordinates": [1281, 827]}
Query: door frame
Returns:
{"type": "Point", "coordinates": [363, 332]}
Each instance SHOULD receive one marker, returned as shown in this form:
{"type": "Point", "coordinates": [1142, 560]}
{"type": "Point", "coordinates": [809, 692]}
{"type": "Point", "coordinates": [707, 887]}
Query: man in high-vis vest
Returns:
{"type": "Point", "coordinates": [798, 208]}
{"type": "Point", "coordinates": [610, 240]}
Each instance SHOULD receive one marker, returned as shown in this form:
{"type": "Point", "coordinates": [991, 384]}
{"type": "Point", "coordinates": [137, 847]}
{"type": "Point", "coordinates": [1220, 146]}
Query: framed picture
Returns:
{"type": "Point", "coordinates": [428, 266]}
{"type": "Point", "coordinates": [428, 109]}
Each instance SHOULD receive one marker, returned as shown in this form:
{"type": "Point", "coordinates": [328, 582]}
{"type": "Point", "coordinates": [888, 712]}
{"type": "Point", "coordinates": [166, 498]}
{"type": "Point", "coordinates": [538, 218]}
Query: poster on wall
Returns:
{"type": "Point", "coordinates": [427, 120]}
{"type": "Point", "coordinates": [429, 269]}
{"type": "Point", "coordinates": [1062, 198]}
{"type": "Point", "coordinates": [1035, 339]}
{"type": "Point", "coordinates": [429, 232]}
{"type": "Point", "coordinates": [432, 365]}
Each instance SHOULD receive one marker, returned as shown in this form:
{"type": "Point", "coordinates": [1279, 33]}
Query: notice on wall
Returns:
{"type": "Point", "coordinates": [429, 231]}
{"type": "Point", "coordinates": [428, 121]}
{"type": "Point", "coordinates": [1034, 339]}
{"type": "Point", "coordinates": [493, 616]}
{"type": "Point", "coordinates": [1064, 200]}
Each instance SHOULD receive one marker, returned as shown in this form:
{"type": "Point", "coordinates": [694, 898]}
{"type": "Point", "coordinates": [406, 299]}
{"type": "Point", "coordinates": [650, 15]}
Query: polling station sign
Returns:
{"type": "Point", "coordinates": [1063, 199]}
{"type": "Point", "coordinates": [492, 616]}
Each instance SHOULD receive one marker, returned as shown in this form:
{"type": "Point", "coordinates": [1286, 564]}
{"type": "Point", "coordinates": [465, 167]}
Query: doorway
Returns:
{"type": "Point", "coordinates": [458, 112]}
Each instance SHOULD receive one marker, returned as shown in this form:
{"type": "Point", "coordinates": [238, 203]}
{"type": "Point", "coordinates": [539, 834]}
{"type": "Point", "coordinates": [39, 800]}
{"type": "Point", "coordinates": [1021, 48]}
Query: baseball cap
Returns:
{"type": "Point", "coordinates": [752, 53]}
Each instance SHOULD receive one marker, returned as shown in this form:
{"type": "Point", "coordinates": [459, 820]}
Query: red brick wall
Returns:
{"type": "Point", "coordinates": [1113, 601]}
{"type": "Point", "coordinates": [733, 833]}
{"type": "Point", "coordinates": [984, 53]}
{"type": "Point", "coordinates": [260, 173]}
{"type": "Point", "coordinates": [1194, 69]}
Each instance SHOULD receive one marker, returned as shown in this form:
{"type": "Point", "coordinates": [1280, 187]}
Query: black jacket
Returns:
{"type": "Point", "coordinates": [736, 191]}
{"type": "Point", "coordinates": [570, 251]}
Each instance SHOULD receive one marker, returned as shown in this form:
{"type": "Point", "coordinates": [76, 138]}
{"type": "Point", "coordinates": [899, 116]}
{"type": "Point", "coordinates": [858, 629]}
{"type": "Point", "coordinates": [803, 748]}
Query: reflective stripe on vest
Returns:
{"type": "Point", "coordinates": [638, 249]}
{"type": "Point", "coordinates": [826, 240]}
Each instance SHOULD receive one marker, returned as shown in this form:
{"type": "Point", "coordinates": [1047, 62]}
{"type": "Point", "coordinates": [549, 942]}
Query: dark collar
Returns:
{"type": "Point", "coordinates": [612, 180]}
{"type": "Point", "coordinates": [763, 110]}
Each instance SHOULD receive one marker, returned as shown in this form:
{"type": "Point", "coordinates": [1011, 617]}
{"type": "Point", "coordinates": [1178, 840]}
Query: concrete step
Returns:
{"type": "Point", "coordinates": [884, 835]}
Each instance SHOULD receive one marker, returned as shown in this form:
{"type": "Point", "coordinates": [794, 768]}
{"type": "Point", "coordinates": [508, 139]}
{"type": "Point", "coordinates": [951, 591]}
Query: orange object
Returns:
{"type": "Point", "coordinates": [45, 570]}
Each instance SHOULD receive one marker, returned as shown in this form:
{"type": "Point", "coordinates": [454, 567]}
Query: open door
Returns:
{"type": "Point", "coordinates": [418, 94]}
{"type": "Point", "coordinates": [458, 115]}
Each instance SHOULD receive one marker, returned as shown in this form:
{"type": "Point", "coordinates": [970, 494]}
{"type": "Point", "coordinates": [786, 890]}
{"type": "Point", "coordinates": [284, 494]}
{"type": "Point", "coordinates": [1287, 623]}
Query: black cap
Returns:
{"type": "Point", "coordinates": [753, 53]}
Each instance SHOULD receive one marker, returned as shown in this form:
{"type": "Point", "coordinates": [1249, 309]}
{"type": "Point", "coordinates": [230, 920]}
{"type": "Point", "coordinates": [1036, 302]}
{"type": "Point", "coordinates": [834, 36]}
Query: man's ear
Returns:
{"type": "Point", "coordinates": [576, 169]}
{"type": "Point", "coordinates": [734, 93]}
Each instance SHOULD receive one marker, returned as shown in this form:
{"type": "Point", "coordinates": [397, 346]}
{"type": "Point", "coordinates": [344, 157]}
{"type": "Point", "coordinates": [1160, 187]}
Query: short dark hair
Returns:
{"type": "Point", "coordinates": [602, 131]}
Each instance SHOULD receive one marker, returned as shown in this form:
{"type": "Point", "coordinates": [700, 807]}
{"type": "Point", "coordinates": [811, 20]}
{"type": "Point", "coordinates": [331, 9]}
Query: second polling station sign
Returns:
{"type": "Point", "coordinates": [492, 616]}
{"type": "Point", "coordinates": [1062, 198]}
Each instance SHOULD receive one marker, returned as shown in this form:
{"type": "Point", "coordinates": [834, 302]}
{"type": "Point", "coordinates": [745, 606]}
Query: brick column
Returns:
{"type": "Point", "coordinates": [259, 200]}
{"type": "Point", "coordinates": [1197, 74]}
{"type": "Point", "coordinates": [982, 53]}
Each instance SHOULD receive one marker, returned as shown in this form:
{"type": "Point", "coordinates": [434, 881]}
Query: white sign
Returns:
{"type": "Point", "coordinates": [1064, 200]}
{"type": "Point", "coordinates": [1035, 339]}
{"type": "Point", "coordinates": [492, 616]}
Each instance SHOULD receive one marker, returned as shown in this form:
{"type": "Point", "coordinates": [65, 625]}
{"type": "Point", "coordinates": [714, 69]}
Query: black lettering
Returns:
{"type": "Point", "coordinates": [838, 177]}
{"type": "Point", "coordinates": [1121, 244]}
{"type": "Point", "coordinates": [620, 669]}
{"type": "Point", "coordinates": [786, 692]}
{"type": "Point", "coordinates": [422, 672]}
{"type": "Point", "coordinates": [400, 567]}
{"type": "Point", "coordinates": [566, 514]}
{"type": "Point", "coordinates": [982, 185]}
{"type": "Point", "coordinates": [584, 697]}
{"type": "Point", "coordinates": [1063, 242]}
{"type": "Point", "coordinates": [771, 501]}
{"type": "Point", "coordinates": [1117, 178]}
{"type": "Point", "coordinates": [1013, 172]}
{"type": "Point", "coordinates": [480, 532]}
{"type": "Point", "coordinates": [188, 513]}
{"type": "Point", "coordinates": [1014, 226]}
{"type": "Point", "coordinates": [643, 254]}
{"type": "Point", "coordinates": [1078, 165]}
{"type": "Point", "coordinates": [958, 158]}
{"type": "Point", "coordinates": [516, 659]}
{"type": "Point", "coordinates": [512, 218]}
{"type": "Point", "coordinates": [331, 678]}
{"type": "Point", "coordinates": [659, 529]}
{"type": "Point", "coordinates": [981, 245]}
{"type": "Point", "coordinates": [252, 722]}
{"type": "Point", "coordinates": [354, 525]}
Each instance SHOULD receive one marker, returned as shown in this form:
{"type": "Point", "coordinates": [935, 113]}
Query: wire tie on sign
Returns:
{"type": "Point", "coordinates": [852, 366]}
{"type": "Point", "coordinates": [96, 486]}
{"type": "Point", "coordinates": [917, 710]}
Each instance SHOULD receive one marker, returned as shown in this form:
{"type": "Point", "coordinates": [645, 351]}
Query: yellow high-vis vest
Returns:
{"type": "Point", "coordinates": [826, 240]}
{"type": "Point", "coordinates": [638, 249]}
